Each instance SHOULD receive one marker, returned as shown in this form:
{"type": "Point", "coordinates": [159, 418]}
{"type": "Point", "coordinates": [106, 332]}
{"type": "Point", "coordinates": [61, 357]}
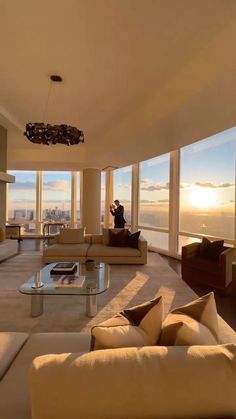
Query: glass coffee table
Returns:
{"type": "Point", "coordinates": [43, 283]}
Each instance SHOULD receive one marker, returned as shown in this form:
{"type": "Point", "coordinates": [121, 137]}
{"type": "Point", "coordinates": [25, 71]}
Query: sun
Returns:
{"type": "Point", "coordinates": [203, 197]}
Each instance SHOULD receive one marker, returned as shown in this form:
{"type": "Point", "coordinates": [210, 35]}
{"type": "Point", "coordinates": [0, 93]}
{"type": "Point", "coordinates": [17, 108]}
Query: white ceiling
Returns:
{"type": "Point", "coordinates": [141, 77]}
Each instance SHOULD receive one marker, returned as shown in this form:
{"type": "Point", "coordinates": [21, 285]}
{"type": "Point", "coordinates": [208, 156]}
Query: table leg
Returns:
{"type": "Point", "coordinates": [36, 305]}
{"type": "Point", "coordinates": [91, 305]}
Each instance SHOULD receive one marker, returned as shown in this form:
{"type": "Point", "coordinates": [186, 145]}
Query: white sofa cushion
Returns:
{"type": "Point", "coordinates": [97, 250]}
{"type": "Point", "coordinates": [71, 235]}
{"type": "Point", "coordinates": [10, 345]}
{"type": "Point", "coordinates": [136, 326]}
{"type": "Point", "coordinates": [58, 250]}
{"type": "Point", "coordinates": [127, 383]}
{"type": "Point", "coordinates": [195, 323]}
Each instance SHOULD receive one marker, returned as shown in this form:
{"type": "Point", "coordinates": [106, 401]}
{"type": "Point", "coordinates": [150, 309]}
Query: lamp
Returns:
{"type": "Point", "coordinates": [40, 133]}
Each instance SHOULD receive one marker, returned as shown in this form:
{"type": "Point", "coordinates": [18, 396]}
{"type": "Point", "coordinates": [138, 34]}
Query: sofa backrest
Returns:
{"type": "Point", "coordinates": [148, 382]}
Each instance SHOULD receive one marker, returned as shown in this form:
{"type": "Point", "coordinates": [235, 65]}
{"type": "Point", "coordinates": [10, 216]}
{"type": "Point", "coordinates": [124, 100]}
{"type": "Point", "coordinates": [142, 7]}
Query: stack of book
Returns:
{"type": "Point", "coordinates": [64, 268]}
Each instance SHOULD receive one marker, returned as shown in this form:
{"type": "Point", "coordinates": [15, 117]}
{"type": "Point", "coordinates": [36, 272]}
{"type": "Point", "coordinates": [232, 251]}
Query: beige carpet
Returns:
{"type": "Point", "coordinates": [129, 285]}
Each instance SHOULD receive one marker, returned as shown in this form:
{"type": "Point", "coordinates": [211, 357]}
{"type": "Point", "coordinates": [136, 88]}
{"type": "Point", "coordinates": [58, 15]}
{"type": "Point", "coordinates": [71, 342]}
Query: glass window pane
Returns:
{"type": "Point", "coordinates": [207, 191]}
{"type": "Point", "coordinates": [56, 201]}
{"type": "Point", "coordinates": [122, 189]}
{"type": "Point", "coordinates": [103, 195]}
{"type": "Point", "coordinates": [22, 200]}
{"type": "Point", "coordinates": [78, 197]}
{"type": "Point", "coordinates": [154, 192]}
{"type": "Point", "coordinates": [156, 239]}
{"type": "Point", "coordinates": [184, 240]}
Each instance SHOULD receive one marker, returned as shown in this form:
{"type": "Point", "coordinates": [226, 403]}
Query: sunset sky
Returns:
{"type": "Point", "coordinates": [206, 182]}
{"type": "Point", "coordinates": [207, 176]}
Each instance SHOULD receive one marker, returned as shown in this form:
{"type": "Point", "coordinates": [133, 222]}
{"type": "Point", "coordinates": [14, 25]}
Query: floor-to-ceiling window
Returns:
{"type": "Point", "coordinates": [78, 218]}
{"type": "Point", "coordinates": [122, 189]}
{"type": "Point", "coordinates": [207, 188]}
{"type": "Point", "coordinates": [154, 201]}
{"type": "Point", "coordinates": [22, 200]}
{"type": "Point", "coordinates": [56, 196]}
{"type": "Point", "coordinates": [103, 196]}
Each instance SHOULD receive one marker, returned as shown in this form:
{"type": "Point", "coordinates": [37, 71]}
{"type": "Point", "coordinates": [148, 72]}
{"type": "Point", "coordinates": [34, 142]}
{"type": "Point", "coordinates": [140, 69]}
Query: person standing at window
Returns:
{"type": "Point", "coordinates": [117, 211]}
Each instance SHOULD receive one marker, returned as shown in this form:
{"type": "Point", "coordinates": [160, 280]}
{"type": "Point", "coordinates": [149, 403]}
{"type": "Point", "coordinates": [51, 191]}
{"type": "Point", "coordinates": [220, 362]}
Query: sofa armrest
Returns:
{"type": "Point", "coordinates": [227, 257]}
{"type": "Point", "coordinates": [142, 245]}
{"type": "Point", "coordinates": [190, 250]}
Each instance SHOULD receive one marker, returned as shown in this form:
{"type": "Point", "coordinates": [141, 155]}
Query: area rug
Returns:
{"type": "Point", "coordinates": [129, 285]}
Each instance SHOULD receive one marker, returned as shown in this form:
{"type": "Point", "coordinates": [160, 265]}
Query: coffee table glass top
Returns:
{"type": "Point", "coordinates": [96, 281]}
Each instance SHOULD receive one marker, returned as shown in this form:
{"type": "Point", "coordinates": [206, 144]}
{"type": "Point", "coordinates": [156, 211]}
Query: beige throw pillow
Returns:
{"type": "Point", "coordinates": [195, 323]}
{"type": "Point", "coordinates": [137, 326]}
{"type": "Point", "coordinates": [71, 236]}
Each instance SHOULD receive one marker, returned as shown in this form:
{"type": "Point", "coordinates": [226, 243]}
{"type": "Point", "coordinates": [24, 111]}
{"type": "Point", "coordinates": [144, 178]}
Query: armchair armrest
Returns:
{"type": "Point", "coordinates": [190, 250]}
{"type": "Point", "coordinates": [227, 257]}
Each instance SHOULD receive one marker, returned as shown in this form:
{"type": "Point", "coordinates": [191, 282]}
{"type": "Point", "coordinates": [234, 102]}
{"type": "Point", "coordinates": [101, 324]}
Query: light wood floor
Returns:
{"type": "Point", "coordinates": [226, 305]}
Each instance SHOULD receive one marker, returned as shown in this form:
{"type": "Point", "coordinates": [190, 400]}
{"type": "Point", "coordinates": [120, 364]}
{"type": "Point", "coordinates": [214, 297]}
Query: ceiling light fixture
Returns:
{"type": "Point", "coordinates": [40, 133]}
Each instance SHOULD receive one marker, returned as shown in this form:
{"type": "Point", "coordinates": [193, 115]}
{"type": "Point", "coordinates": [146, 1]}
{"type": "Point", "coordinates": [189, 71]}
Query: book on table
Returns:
{"type": "Point", "coordinates": [64, 267]}
{"type": "Point", "coordinates": [70, 281]}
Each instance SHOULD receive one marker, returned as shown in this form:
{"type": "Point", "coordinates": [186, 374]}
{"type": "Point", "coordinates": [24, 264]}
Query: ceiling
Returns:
{"type": "Point", "coordinates": [140, 77]}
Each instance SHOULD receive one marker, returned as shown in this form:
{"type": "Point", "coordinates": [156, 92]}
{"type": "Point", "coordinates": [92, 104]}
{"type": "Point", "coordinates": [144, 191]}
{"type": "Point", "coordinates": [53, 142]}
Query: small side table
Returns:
{"type": "Point", "coordinates": [14, 228]}
{"type": "Point", "coordinates": [48, 224]}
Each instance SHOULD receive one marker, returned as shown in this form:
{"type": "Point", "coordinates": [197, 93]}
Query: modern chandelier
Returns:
{"type": "Point", "coordinates": [41, 133]}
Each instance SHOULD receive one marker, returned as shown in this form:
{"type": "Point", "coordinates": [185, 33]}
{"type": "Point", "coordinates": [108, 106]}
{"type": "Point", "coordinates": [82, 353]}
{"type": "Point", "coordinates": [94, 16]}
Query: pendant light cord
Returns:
{"type": "Point", "coordinates": [47, 101]}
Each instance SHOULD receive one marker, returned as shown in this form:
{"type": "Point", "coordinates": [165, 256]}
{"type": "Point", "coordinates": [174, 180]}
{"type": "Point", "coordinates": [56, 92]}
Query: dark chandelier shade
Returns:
{"type": "Point", "coordinates": [47, 134]}
{"type": "Point", "coordinates": [40, 133]}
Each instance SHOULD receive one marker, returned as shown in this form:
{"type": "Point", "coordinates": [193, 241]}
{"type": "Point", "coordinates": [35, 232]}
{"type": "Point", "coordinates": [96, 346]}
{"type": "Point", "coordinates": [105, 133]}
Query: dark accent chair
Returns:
{"type": "Point", "coordinates": [214, 274]}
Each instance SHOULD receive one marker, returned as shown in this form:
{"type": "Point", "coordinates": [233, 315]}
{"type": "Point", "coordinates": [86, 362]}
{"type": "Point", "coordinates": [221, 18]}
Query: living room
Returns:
{"type": "Point", "coordinates": [146, 92]}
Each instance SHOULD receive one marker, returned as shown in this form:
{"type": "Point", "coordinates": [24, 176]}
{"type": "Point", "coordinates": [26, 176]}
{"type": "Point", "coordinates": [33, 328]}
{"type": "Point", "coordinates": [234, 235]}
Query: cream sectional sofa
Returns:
{"type": "Point", "coordinates": [94, 247]}
{"type": "Point", "coordinates": [132, 383]}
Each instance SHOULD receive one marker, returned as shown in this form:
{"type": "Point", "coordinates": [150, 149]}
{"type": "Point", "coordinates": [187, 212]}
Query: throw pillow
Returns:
{"type": "Point", "coordinates": [2, 234]}
{"type": "Point", "coordinates": [211, 250]}
{"type": "Point", "coordinates": [105, 234]}
{"type": "Point", "coordinates": [195, 323]}
{"type": "Point", "coordinates": [136, 326]}
{"type": "Point", "coordinates": [117, 237]}
{"type": "Point", "coordinates": [71, 235]}
{"type": "Point", "coordinates": [131, 240]}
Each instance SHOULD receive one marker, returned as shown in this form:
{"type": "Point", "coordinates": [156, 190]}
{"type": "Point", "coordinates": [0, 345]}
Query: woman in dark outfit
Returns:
{"type": "Point", "coordinates": [118, 214]}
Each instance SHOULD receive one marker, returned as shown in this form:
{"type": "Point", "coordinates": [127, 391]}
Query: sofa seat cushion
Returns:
{"type": "Point", "coordinates": [97, 250]}
{"type": "Point", "coordinates": [127, 383]}
{"type": "Point", "coordinates": [10, 345]}
{"type": "Point", "coordinates": [67, 250]}
{"type": "Point", "coordinates": [14, 387]}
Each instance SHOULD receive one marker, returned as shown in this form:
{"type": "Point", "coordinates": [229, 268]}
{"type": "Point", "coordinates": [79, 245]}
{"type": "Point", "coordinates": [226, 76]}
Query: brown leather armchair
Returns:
{"type": "Point", "coordinates": [215, 274]}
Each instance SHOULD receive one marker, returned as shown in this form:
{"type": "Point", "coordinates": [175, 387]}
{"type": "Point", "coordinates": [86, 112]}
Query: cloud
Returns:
{"type": "Point", "coordinates": [146, 201]}
{"type": "Point", "coordinates": [124, 186]}
{"type": "Point", "coordinates": [163, 200]}
{"type": "Point", "coordinates": [20, 186]}
{"type": "Point", "coordinates": [57, 185]}
{"type": "Point", "coordinates": [157, 187]}
{"type": "Point", "coordinates": [146, 181]}
{"type": "Point", "coordinates": [214, 185]}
